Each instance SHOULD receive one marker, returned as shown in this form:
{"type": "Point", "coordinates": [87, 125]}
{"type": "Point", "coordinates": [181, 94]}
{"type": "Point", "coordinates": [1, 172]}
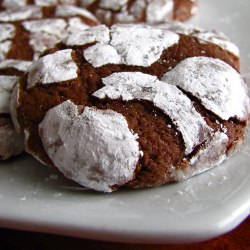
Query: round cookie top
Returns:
{"type": "Point", "coordinates": [149, 11]}
{"type": "Point", "coordinates": [132, 105]}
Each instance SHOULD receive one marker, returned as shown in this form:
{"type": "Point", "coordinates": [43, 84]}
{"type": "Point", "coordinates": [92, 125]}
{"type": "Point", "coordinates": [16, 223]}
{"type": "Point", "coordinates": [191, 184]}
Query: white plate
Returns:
{"type": "Point", "coordinates": [36, 198]}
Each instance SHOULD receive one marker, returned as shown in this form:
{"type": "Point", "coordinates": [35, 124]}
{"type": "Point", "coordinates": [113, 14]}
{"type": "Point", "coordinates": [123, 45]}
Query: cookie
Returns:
{"type": "Point", "coordinates": [22, 42]}
{"type": "Point", "coordinates": [16, 4]}
{"type": "Point", "coordinates": [132, 105]}
{"type": "Point", "coordinates": [152, 12]}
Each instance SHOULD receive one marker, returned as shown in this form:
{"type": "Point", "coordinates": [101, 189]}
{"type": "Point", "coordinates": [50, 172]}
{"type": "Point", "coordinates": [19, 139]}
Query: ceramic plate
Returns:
{"type": "Point", "coordinates": [33, 197]}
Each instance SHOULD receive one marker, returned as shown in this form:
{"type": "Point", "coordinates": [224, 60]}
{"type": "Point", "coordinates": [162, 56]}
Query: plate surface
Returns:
{"type": "Point", "coordinates": [33, 197]}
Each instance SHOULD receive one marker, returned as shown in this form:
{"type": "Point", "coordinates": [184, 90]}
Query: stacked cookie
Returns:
{"type": "Point", "coordinates": [132, 105]}
{"type": "Point", "coordinates": [24, 34]}
{"type": "Point", "coordinates": [149, 11]}
{"type": "Point", "coordinates": [113, 11]}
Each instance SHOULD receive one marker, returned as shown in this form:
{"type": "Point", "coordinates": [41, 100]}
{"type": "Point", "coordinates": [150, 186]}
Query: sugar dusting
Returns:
{"type": "Point", "coordinates": [45, 33]}
{"type": "Point", "coordinates": [99, 33]}
{"type": "Point", "coordinates": [113, 4]}
{"type": "Point", "coordinates": [159, 11]}
{"type": "Point", "coordinates": [16, 64]}
{"type": "Point", "coordinates": [216, 84]}
{"type": "Point", "coordinates": [111, 154]}
{"type": "Point", "coordinates": [137, 45]}
{"type": "Point", "coordinates": [52, 68]}
{"type": "Point", "coordinates": [13, 4]}
{"type": "Point", "coordinates": [23, 13]}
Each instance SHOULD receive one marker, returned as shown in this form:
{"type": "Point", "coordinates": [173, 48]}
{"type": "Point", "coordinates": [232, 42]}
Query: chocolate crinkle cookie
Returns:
{"type": "Point", "coordinates": [24, 34]}
{"type": "Point", "coordinates": [133, 105]}
{"type": "Point", "coordinates": [16, 4]}
{"type": "Point", "coordinates": [149, 11]}
{"type": "Point", "coordinates": [121, 11]}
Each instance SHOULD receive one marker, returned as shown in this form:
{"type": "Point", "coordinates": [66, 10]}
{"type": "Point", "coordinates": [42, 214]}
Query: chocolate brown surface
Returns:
{"type": "Point", "coordinates": [161, 144]}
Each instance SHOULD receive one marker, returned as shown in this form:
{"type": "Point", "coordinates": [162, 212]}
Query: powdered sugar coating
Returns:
{"type": "Point", "coordinates": [4, 49]}
{"type": "Point", "coordinates": [75, 26]}
{"type": "Point", "coordinates": [216, 84]}
{"type": "Point", "coordinates": [7, 33]}
{"type": "Point", "coordinates": [138, 86]}
{"type": "Point", "coordinates": [23, 13]}
{"type": "Point", "coordinates": [13, 4]}
{"type": "Point", "coordinates": [99, 53]}
{"type": "Point", "coordinates": [94, 148]}
{"type": "Point", "coordinates": [213, 154]}
{"type": "Point", "coordinates": [45, 33]}
{"type": "Point", "coordinates": [8, 93]}
{"type": "Point", "coordinates": [113, 4]}
{"type": "Point", "coordinates": [16, 64]}
{"type": "Point", "coordinates": [99, 33]}
{"type": "Point", "coordinates": [53, 26]}
{"type": "Point", "coordinates": [159, 11]}
{"type": "Point", "coordinates": [137, 45]}
{"type": "Point", "coordinates": [141, 45]}
{"type": "Point", "coordinates": [7, 82]}
{"type": "Point", "coordinates": [6, 86]}
{"type": "Point", "coordinates": [136, 9]}
{"type": "Point", "coordinates": [56, 67]}
{"type": "Point", "coordinates": [66, 10]}
{"type": "Point", "coordinates": [53, 2]}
